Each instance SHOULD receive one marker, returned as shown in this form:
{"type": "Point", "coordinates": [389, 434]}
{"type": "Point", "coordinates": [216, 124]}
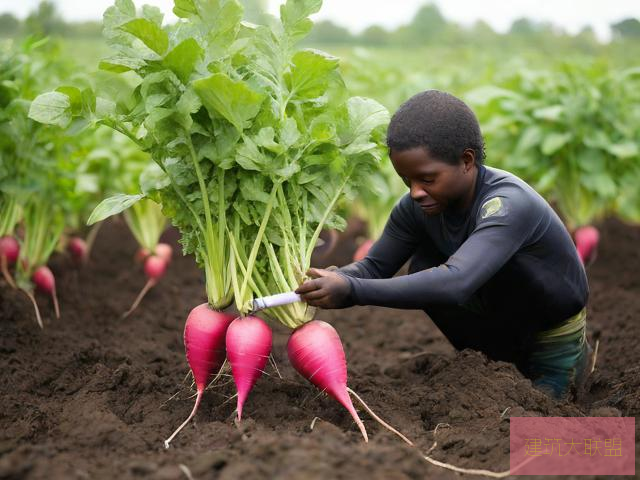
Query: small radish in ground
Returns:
{"type": "Point", "coordinates": [248, 342]}
{"type": "Point", "coordinates": [45, 282]}
{"type": "Point", "coordinates": [141, 255]}
{"type": "Point", "coordinates": [164, 251]}
{"type": "Point", "coordinates": [362, 251]}
{"type": "Point", "coordinates": [315, 351]}
{"type": "Point", "coordinates": [78, 249]}
{"type": "Point", "coordinates": [9, 251]}
{"type": "Point", "coordinates": [587, 239]}
{"type": "Point", "coordinates": [154, 268]}
{"type": "Point", "coordinates": [204, 343]}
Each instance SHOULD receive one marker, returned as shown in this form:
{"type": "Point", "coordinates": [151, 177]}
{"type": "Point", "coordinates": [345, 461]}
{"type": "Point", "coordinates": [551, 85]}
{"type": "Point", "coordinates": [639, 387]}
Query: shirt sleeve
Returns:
{"type": "Point", "coordinates": [394, 247]}
{"type": "Point", "coordinates": [504, 224]}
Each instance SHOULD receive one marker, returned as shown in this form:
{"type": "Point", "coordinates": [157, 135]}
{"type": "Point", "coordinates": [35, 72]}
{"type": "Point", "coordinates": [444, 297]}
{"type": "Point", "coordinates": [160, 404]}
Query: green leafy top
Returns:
{"type": "Point", "coordinates": [256, 139]}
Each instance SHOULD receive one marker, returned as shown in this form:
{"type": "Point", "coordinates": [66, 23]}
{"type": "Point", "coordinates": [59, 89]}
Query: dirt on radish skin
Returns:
{"type": "Point", "coordinates": [204, 342]}
{"type": "Point", "coordinates": [249, 341]}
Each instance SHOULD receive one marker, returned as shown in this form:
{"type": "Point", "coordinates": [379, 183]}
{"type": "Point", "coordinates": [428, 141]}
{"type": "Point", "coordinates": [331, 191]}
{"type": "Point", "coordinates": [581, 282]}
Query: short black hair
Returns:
{"type": "Point", "coordinates": [439, 122]}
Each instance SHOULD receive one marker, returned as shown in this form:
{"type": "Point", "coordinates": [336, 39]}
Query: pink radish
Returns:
{"type": "Point", "coordinates": [362, 251]}
{"type": "Point", "coordinates": [587, 239]}
{"type": "Point", "coordinates": [45, 281]}
{"type": "Point", "coordinates": [164, 251]}
{"type": "Point", "coordinates": [141, 255]}
{"type": "Point", "coordinates": [204, 344]}
{"type": "Point", "coordinates": [9, 251]}
{"type": "Point", "coordinates": [315, 351]}
{"type": "Point", "coordinates": [78, 249]}
{"type": "Point", "coordinates": [154, 268]}
{"type": "Point", "coordinates": [248, 348]}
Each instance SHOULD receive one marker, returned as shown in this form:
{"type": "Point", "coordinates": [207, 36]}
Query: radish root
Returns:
{"type": "Point", "coordinates": [5, 272]}
{"type": "Point", "coordinates": [35, 307]}
{"type": "Point", "coordinates": [469, 471]}
{"type": "Point", "coordinates": [56, 307]}
{"type": "Point", "coordinates": [191, 415]}
{"type": "Point", "coordinates": [378, 419]}
{"type": "Point", "coordinates": [148, 286]}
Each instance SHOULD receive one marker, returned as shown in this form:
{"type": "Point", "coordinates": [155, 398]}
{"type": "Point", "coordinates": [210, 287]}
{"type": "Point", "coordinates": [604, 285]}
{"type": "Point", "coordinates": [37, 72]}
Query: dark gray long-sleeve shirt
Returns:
{"type": "Point", "coordinates": [508, 257]}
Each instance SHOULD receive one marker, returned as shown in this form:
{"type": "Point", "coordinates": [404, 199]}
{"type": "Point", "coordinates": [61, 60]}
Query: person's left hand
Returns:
{"type": "Point", "coordinates": [326, 290]}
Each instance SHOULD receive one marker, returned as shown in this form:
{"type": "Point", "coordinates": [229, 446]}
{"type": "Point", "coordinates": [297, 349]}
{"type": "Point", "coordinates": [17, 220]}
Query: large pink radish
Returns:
{"type": "Point", "coordinates": [587, 239]}
{"type": "Point", "coordinates": [249, 342]}
{"type": "Point", "coordinates": [204, 344]}
{"type": "Point", "coordinates": [315, 351]}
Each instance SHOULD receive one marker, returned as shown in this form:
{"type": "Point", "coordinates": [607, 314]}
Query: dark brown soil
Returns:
{"type": "Point", "coordinates": [91, 396]}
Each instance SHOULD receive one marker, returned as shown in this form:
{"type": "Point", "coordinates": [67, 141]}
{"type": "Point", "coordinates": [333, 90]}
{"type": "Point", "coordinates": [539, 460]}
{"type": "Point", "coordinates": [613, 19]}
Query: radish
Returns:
{"type": "Point", "coordinates": [141, 255]}
{"type": "Point", "coordinates": [46, 282]}
{"type": "Point", "coordinates": [154, 268]}
{"type": "Point", "coordinates": [164, 251]}
{"type": "Point", "coordinates": [362, 250]}
{"type": "Point", "coordinates": [9, 251]}
{"type": "Point", "coordinates": [315, 351]}
{"type": "Point", "coordinates": [587, 239]}
{"type": "Point", "coordinates": [78, 249]}
{"type": "Point", "coordinates": [248, 348]}
{"type": "Point", "coordinates": [204, 344]}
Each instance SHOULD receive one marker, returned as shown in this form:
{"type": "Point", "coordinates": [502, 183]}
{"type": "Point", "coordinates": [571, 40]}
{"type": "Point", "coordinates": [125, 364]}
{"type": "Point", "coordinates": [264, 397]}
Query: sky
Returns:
{"type": "Point", "coordinates": [356, 15]}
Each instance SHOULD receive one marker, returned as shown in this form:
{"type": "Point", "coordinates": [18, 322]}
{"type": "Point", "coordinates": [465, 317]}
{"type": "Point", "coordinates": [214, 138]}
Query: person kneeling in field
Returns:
{"type": "Point", "coordinates": [491, 262]}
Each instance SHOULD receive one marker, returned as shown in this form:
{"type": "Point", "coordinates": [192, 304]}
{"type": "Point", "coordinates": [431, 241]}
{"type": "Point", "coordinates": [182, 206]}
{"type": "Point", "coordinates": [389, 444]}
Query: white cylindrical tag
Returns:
{"type": "Point", "coordinates": [276, 300]}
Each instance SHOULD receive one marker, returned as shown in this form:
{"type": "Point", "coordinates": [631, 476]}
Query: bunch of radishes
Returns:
{"type": "Point", "coordinates": [314, 350]}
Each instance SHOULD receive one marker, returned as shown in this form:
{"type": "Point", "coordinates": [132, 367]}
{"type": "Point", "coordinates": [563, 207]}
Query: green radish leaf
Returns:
{"type": "Point", "coordinates": [112, 206]}
{"type": "Point", "coordinates": [183, 59]}
{"type": "Point", "coordinates": [149, 33]}
{"type": "Point", "coordinates": [53, 108]}
{"type": "Point", "coordinates": [233, 100]}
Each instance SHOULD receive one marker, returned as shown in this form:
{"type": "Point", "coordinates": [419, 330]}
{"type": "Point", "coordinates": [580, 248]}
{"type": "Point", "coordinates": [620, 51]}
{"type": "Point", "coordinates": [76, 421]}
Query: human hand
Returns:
{"type": "Point", "coordinates": [326, 289]}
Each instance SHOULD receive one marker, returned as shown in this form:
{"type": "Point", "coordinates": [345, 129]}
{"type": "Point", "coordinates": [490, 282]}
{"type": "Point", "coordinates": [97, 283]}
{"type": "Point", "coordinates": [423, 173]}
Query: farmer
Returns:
{"type": "Point", "coordinates": [490, 261]}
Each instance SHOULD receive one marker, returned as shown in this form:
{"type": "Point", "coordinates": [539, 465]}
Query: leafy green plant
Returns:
{"type": "Point", "coordinates": [256, 139]}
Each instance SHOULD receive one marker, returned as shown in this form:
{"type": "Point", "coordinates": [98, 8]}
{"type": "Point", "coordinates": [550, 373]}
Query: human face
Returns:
{"type": "Point", "coordinates": [433, 184]}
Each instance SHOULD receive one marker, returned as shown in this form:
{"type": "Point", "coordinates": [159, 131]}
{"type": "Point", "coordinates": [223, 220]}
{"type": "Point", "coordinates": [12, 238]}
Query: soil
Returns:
{"type": "Point", "coordinates": [93, 396]}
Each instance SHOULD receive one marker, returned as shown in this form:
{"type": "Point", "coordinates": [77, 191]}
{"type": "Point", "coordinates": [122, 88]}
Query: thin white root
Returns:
{"type": "Point", "coordinates": [56, 307]}
{"type": "Point", "coordinates": [469, 471]}
{"type": "Point", "coordinates": [378, 419]}
{"type": "Point", "coordinates": [186, 471]}
{"type": "Point", "coordinates": [35, 307]}
{"type": "Point", "coordinates": [218, 375]}
{"type": "Point", "coordinates": [275, 366]}
{"type": "Point", "coordinates": [5, 272]}
{"type": "Point", "coordinates": [504, 412]}
{"type": "Point", "coordinates": [595, 356]}
{"type": "Point", "coordinates": [313, 422]}
{"type": "Point", "coordinates": [193, 412]}
{"type": "Point", "coordinates": [150, 283]}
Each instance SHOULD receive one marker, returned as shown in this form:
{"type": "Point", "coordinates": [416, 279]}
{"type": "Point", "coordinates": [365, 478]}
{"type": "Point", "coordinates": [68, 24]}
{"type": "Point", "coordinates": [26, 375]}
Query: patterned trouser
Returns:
{"type": "Point", "coordinates": [560, 356]}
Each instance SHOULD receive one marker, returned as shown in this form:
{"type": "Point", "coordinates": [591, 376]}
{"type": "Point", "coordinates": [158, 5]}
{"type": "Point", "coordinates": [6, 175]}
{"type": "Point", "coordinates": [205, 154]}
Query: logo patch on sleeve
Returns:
{"type": "Point", "coordinates": [492, 208]}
